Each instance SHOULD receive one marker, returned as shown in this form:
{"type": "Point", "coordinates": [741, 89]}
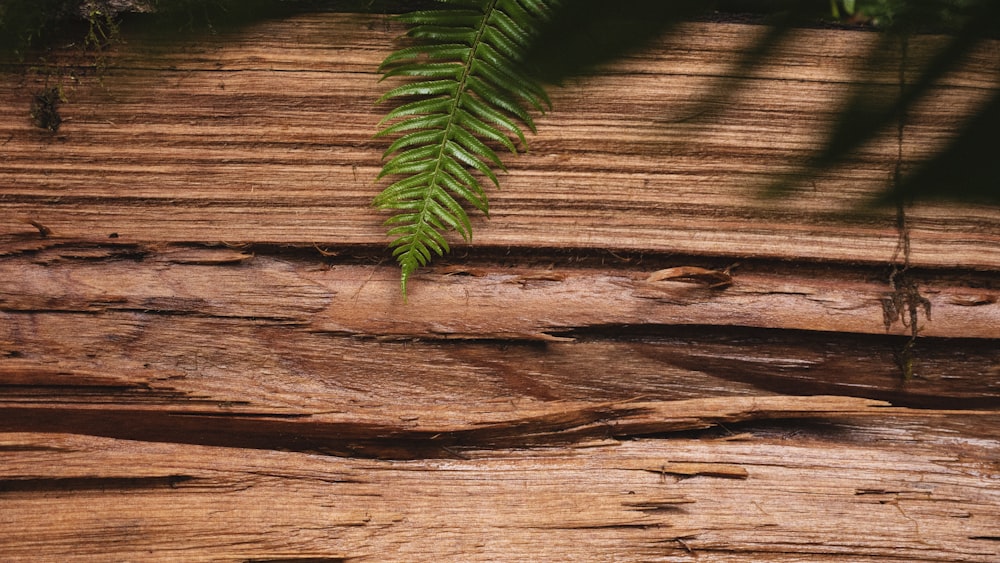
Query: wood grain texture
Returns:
{"type": "Point", "coordinates": [204, 355]}
{"type": "Point", "coordinates": [204, 403]}
{"type": "Point", "coordinates": [265, 135]}
{"type": "Point", "coordinates": [608, 501]}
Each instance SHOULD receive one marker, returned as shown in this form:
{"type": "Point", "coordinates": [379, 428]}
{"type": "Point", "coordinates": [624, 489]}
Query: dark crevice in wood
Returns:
{"type": "Point", "coordinates": [54, 249]}
{"type": "Point", "coordinates": [77, 484]}
{"type": "Point", "coordinates": [240, 414]}
{"type": "Point", "coordinates": [301, 560]}
{"type": "Point", "coordinates": [380, 440]}
{"type": "Point", "coordinates": [224, 431]}
{"type": "Point", "coordinates": [806, 363]}
{"type": "Point", "coordinates": [749, 335]}
{"type": "Point", "coordinates": [798, 362]}
{"type": "Point", "coordinates": [30, 448]}
{"type": "Point", "coordinates": [839, 432]}
{"type": "Point", "coordinates": [480, 259]}
{"type": "Point", "coordinates": [278, 433]}
{"type": "Point", "coordinates": [157, 310]}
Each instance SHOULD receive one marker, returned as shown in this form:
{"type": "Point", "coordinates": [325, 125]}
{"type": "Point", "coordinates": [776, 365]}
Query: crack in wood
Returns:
{"type": "Point", "coordinates": [505, 422]}
{"type": "Point", "coordinates": [699, 469]}
{"type": "Point", "coordinates": [299, 560]}
{"type": "Point", "coordinates": [48, 484]}
{"type": "Point", "coordinates": [342, 436]}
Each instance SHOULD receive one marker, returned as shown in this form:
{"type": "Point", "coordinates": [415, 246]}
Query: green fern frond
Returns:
{"type": "Point", "coordinates": [468, 94]}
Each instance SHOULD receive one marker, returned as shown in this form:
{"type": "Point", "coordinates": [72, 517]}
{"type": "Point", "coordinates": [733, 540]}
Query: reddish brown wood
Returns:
{"type": "Point", "coordinates": [204, 354]}
{"type": "Point", "coordinates": [265, 135]}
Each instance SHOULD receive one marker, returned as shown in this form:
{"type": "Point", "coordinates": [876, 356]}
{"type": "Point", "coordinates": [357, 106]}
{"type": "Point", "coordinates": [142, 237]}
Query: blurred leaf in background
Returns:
{"type": "Point", "coordinates": [586, 33]}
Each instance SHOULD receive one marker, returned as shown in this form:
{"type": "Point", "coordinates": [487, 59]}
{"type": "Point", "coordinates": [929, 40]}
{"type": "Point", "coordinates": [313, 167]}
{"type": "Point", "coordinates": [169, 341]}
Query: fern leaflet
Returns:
{"type": "Point", "coordinates": [469, 92]}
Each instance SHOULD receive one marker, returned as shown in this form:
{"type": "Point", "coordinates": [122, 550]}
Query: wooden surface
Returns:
{"type": "Point", "coordinates": [207, 357]}
{"type": "Point", "coordinates": [267, 137]}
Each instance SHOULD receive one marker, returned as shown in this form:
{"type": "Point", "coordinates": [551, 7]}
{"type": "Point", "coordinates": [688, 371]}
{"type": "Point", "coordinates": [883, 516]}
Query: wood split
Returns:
{"type": "Point", "coordinates": [720, 470]}
{"type": "Point", "coordinates": [713, 279]}
{"type": "Point", "coordinates": [659, 503]}
{"type": "Point", "coordinates": [203, 256]}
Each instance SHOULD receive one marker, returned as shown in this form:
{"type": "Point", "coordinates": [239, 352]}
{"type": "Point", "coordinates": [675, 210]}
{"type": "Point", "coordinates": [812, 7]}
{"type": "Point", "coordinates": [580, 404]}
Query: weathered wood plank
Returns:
{"type": "Point", "coordinates": [590, 394]}
{"type": "Point", "coordinates": [629, 501]}
{"type": "Point", "coordinates": [125, 326]}
{"type": "Point", "coordinates": [62, 301]}
{"type": "Point", "coordinates": [265, 136]}
{"type": "Point", "coordinates": [161, 360]}
{"type": "Point", "coordinates": [140, 359]}
{"type": "Point", "coordinates": [477, 300]}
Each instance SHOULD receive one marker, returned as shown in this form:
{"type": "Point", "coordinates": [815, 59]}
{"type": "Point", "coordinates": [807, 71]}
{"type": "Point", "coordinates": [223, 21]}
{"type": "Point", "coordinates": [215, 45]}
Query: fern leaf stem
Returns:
{"type": "Point", "coordinates": [471, 95]}
{"type": "Point", "coordinates": [410, 256]}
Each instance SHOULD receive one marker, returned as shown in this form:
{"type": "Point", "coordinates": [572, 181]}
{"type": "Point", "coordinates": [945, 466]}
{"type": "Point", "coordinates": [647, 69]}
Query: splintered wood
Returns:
{"type": "Point", "coordinates": [204, 354]}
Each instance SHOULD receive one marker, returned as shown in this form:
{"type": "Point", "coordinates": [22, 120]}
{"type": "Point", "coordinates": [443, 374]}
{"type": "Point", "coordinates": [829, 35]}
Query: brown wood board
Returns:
{"type": "Point", "coordinates": [218, 360]}
{"type": "Point", "coordinates": [204, 354]}
{"type": "Point", "coordinates": [265, 135]}
{"type": "Point", "coordinates": [748, 498]}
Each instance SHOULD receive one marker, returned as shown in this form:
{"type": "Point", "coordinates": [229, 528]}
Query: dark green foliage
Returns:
{"type": "Point", "coordinates": [468, 94]}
